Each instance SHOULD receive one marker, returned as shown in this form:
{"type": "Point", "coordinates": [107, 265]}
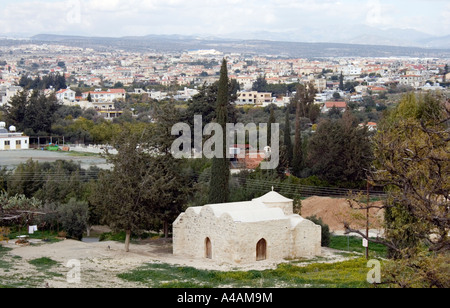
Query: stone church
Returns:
{"type": "Point", "coordinates": [244, 232]}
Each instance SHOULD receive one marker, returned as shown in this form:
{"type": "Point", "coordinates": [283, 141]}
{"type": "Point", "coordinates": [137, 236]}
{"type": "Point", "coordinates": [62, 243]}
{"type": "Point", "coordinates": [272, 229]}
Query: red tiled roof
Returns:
{"type": "Point", "coordinates": [336, 104]}
{"type": "Point", "coordinates": [377, 89]}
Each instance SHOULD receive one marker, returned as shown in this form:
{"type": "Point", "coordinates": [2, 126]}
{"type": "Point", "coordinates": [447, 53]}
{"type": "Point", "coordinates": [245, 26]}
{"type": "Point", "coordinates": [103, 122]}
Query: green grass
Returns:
{"type": "Point", "coordinates": [46, 269]}
{"type": "Point", "coordinates": [347, 274]}
{"type": "Point", "coordinates": [48, 236]}
{"type": "Point", "coordinates": [83, 154]}
{"type": "Point", "coordinates": [4, 264]}
{"type": "Point", "coordinates": [43, 264]}
{"type": "Point", "coordinates": [4, 250]}
{"type": "Point", "coordinates": [354, 244]}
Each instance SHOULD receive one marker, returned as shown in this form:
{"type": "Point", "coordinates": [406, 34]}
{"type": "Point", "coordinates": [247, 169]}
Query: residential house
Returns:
{"type": "Point", "coordinates": [341, 106]}
{"type": "Point", "coordinates": [8, 92]}
{"type": "Point", "coordinates": [414, 81]}
{"type": "Point", "coordinates": [320, 84]}
{"type": "Point", "coordinates": [254, 98]}
{"type": "Point", "coordinates": [371, 126]}
{"type": "Point", "coordinates": [351, 70]}
{"type": "Point", "coordinates": [66, 96]}
{"type": "Point", "coordinates": [110, 95]}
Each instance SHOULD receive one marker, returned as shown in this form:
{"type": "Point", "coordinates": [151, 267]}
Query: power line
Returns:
{"type": "Point", "coordinates": [259, 185]}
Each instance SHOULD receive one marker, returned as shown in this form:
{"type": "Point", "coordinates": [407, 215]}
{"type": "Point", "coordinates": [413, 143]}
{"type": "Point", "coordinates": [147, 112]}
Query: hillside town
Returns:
{"type": "Point", "coordinates": [109, 76]}
{"type": "Point", "coordinates": [359, 147]}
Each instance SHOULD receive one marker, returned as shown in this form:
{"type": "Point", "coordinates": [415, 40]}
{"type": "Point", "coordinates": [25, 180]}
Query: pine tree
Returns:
{"type": "Point", "coordinates": [341, 82]}
{"type": "Point", "coordinates": [15, 112]}
{"type": "Point", "coordinates": [220, 169]}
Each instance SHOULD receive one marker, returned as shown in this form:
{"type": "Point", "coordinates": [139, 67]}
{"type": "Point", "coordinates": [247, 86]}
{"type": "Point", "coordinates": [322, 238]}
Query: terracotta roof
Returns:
{"type": "Point", "coordinates": [377, 89]}
{"type": "Point", "coordinates": [336, 104]}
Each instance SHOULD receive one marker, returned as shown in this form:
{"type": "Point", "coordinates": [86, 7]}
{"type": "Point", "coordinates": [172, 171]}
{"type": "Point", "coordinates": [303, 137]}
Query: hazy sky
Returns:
{"type": "Point", "coordinates": [133, 17]}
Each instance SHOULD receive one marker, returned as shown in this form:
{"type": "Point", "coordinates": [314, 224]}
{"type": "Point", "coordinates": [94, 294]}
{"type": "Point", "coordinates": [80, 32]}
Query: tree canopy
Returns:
{"type": "Point", "coordinates": [340, 151]}
{"type": "Point", "coordinates": [31, 113]}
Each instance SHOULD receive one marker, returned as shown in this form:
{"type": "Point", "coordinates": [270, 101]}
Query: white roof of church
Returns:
{"type": "Point", "coordinates": [250, 211]}
{"type": "Point", "coordinates": [257, 210]}
{"type": "Point", "coordinates": [273, 197]}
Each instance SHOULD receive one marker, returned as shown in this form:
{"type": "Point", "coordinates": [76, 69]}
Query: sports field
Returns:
{"type": "Point", "coordinates": [10, 159]}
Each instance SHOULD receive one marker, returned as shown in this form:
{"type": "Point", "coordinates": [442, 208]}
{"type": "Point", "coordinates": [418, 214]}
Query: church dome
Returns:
{"type": "Point", "coordinates": [273, 197]}
{"type": "Point", "coordinates": [275, 200]}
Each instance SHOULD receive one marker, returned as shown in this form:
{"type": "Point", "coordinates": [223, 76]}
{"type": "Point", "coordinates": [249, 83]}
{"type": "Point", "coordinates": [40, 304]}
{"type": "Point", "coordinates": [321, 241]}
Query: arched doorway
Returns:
{"type": "Point", "coordinates": [208, 248]}
{"type": "Point", "coordinates": [261, 250]}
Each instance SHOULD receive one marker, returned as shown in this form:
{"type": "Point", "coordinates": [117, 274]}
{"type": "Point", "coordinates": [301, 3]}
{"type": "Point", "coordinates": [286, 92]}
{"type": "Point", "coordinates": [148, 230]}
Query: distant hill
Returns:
{"type": "Point", "coordinates": [177, 43]}
{"type": "Point", "coordinates": [349, 34]}
{"type": "Point", "coordinates": [437, 42]}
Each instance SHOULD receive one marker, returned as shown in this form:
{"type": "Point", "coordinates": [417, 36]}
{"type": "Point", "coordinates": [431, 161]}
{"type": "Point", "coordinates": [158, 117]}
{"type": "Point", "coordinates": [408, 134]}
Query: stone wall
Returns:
{"type": "Point", "coordinates": [235, 242]}
{"type": "Point", "coordinates": [191, 230]}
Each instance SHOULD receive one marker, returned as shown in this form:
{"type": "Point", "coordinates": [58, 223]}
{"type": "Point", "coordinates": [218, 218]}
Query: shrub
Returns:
{"type": "Point", "coordinates": [326, 235]}
{"type": "Point", "coordinates": [74, 218]}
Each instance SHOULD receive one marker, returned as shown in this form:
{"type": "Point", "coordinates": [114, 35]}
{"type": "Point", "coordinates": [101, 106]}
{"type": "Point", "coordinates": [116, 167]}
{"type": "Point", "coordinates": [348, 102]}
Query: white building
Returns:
{"type": "Point", "coordinates": [158, 95]}
{"type": "Point", "coordinates": [255, 98]}
{"type": "Point", "coordinates": [244, 232]}
{"type": "Point", "coordinates": [11, 140]}
{"type": "Point", "coordinates": [341, 106]}
{"type": "Point", "coordinates": [8, 92]}
{"type": "Point", "coordinates": [66, 96]}
{"type": "Point", "coordinates": [186, 94]}
{"type": "Point", "coordinates": [99, 96]}
{"type": "Point", "coordinates": [415, 81]}
{"type": "Point", "coordinates": [351, 70]}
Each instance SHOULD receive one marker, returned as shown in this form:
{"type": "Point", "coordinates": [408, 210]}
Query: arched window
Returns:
{"type": "Point", "coordinates": [261, 250]}
{"type": "Point", "coordinates": [208, 248]}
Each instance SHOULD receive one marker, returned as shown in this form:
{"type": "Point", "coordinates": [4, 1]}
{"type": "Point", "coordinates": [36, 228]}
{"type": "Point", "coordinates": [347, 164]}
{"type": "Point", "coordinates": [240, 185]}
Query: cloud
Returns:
{"type": "Point", "coordinates": [135, 17]}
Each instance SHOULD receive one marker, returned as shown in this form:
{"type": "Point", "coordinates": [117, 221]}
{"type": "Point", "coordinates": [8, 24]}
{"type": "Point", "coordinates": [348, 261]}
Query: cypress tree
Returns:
{"type": "Point", "coordinates": [220, 169]}
{"type": "Point", "coordinates": [288, 140]}
{"type": "Point", "coordinates": [272, 120]}
{"type": "Point", "coordinates": [297, 159]}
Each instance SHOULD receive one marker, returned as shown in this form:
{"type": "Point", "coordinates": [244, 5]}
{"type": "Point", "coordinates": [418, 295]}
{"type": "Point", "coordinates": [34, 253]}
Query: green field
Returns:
{"type": "Point", "coordinates": [347, 274]}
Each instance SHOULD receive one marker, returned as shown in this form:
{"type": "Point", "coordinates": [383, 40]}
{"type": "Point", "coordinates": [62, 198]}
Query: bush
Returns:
{"type": "Point", "coordinates": [326, 235]}
{"type": "Point", "coordinates": [74, 218]}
